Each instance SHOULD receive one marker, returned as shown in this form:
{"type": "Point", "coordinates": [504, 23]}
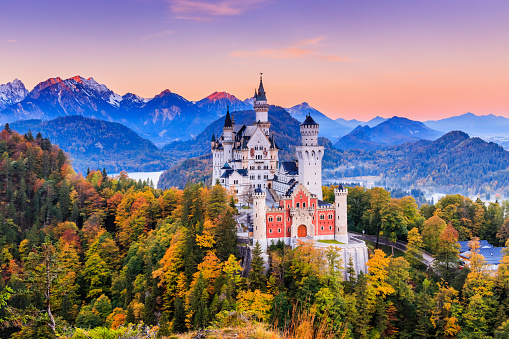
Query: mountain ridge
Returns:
{"type": "Point", "coordinates": [393, 131]}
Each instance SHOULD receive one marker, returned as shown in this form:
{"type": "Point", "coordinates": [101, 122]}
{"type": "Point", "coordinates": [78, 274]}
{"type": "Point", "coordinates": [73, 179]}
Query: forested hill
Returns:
{"type": "Point", "coordinates": [98, 257]}
{"type": "Point", "coordinates": [283, 125]}
{"type": "Point", "coordinates": [454, 163]}
{"type": "Point", "coordinates": [94, 143]}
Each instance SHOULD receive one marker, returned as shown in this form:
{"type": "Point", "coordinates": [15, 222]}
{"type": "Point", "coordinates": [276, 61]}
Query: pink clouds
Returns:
{"type": "Point", "coordinates": [205, 10]}
{"type": "Point", "coordinates": [303, 49]}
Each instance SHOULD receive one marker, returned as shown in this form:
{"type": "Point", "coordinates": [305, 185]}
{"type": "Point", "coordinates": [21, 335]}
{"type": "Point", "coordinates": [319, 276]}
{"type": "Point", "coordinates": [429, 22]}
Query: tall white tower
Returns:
{"type": "Point", "coordinates": [341, 222]}
{"type": "Point", "coordinates": [261, 108]}
{"type": "Point", "coordinates": [228, 137]}
{"type": "Point", "coordinates": [259, 219]}
{"type": "Point", "coordinates": [310, 156]}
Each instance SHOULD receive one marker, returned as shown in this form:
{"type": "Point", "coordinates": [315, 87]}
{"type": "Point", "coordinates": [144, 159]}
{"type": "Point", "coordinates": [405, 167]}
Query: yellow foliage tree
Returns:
{"type": "Point", "coordinates": [378, 273]}
{"type": "Point", "coordinates": [255, 303]}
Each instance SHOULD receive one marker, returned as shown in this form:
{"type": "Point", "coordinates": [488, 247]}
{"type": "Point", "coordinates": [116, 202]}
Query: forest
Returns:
{"type": "Point", "coordinates": [98, 257]}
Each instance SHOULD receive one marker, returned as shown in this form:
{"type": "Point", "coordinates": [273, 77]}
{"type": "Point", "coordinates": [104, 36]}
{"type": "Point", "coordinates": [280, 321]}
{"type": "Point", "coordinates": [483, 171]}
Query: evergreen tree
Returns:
{"type": "Point", "coordinates": [256, 278]}
{"type": "Point", "coordinates": [179, 316]}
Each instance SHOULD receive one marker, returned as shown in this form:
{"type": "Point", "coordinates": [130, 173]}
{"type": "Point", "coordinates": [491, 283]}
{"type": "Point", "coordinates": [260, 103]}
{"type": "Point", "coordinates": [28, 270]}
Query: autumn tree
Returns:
{"type": "Point", "coordinates": [413, 249]}
{"type": "Point", "coordinates": [447, 253]}
{"type": "Point", "coordinates": [432, 229]}
{"type": "Point", "coordinates": [45, 275]}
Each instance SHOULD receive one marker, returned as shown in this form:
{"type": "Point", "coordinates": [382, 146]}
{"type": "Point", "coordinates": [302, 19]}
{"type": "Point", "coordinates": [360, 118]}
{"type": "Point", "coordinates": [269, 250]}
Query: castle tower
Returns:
{"type": "Point", "coordinates": [310, 155]}
{"type": "Point", "coordinates": [259, 219]}
{"type": "Point", "coordinates": [261, 108]}
{"type": "Point", "coordinates": [341, 222]}
{"type": "Point", "coordinates": [228, 137]}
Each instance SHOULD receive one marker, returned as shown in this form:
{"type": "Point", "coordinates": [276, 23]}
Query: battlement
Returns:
{"type": "Point", "coordinates": [259, 195]}
{"type": "Point", "coordinates": [341, 191]}
{"type": "Point", "coordinates": [261, 104]}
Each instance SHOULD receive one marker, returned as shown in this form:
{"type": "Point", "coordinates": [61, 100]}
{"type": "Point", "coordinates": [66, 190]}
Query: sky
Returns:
{"type": "Point", "coordinates": [354, 59]}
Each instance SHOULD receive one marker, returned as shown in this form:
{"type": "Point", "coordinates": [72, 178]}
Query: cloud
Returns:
{"type": "Point", "coordinates": [302, 49]}
{"type": "Point", "coordinates": [156, 35]}
{"type": "Point", "coordinates": [207, 9]}
{"type": "Point", "coordinates": [10, 40]}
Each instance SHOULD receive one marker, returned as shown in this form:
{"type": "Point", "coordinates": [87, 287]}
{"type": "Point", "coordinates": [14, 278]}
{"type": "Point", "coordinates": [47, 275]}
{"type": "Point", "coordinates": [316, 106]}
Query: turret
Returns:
{"type": "Point", "coordinates": [341, 221]}
{"type": "Point", "coordinates": [309, 132]}
{"type": "Point", "coordinates": [259, 218]}
{"type": "Point", "coordinates": [261, 108]}
{"type": "Point", "coordinates": [213, 141]}
{"type": "Point", "coordinates": [228, 136]}
{"type": "Point", "coordinates": [310, 156]}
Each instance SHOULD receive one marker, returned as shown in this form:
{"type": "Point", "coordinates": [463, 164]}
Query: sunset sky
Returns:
{"type": "Point", "coordinates": [355, 59]}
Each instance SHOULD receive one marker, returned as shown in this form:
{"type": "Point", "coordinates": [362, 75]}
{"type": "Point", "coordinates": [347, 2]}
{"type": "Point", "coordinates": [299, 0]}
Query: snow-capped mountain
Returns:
{"type": "Point", "coordinates": [56, 97]}
{"type": "Point", "coordinates": [328, 128]}
{"type": "Point", "coordinates": [217, 102]}
{"type": "Point", "coordinates": [12, 93]}
{"type": "Point", "coordinates": [164, 118]}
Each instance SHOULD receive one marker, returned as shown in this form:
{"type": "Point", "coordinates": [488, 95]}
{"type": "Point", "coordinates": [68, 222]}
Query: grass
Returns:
{"type": "Point", "coordinates": [387, 249]}
{"type": "Point", "coordinates": [330, 242]}
{"type": "Point", "coordinates": [252, 331]}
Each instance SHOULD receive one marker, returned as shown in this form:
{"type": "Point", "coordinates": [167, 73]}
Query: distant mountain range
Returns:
{"type": "Point", "coordinates": [394, 131]}
{"type": "Point", "coordinates": [483, 125]}
{"type": "Point", "coordinates": [168, 116]}
{"type": "Point", "coordinates": [329, 128]}
{"type": "Point", "coordinates": [217, 103]}
{"type": "Point", "coordinates": [98, 144]}
{"type": "Point", "coordinates": [354, 123]}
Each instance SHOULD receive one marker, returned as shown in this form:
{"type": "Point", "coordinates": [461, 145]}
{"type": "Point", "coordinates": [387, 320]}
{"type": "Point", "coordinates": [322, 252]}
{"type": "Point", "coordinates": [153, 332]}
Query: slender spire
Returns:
{"type": "Point", "coordinates": [213, 137]}
{"type": "Point", "coordinates": [261, 92]}
{"type": "Point", "coordinates": [228, 120]}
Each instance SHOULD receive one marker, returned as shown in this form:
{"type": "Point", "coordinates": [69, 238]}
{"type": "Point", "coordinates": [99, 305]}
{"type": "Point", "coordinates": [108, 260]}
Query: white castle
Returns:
{"type": "Point", "coordinates": [286, 196]}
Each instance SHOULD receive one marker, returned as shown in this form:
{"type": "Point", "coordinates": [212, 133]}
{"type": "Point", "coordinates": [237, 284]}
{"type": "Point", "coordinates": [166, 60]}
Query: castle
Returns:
{"type": "Point", "coordinates": [286, 196]}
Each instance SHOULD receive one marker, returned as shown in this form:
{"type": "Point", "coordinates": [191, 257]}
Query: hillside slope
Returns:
{"type": "Point", "coordinates": [99, 144]}
{"type": "Point", "coordinates": [454, 163]}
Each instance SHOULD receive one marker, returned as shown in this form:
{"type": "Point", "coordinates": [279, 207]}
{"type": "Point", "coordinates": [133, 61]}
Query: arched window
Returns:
{"type": "Point", "coordinates": [322, 216]}
{"type": "Point", "coordinates": [303, 205]}
{"type": "Point", "coordinates": [297, 205]}
{"type": "Point", "coordinates": [278, 218]}
{"type": "Point", "coordinates": [330, 216]}
{"type": "Point", "coordinates": [270, 219]}
{"type": "Point", "coordinates": [278, 230]}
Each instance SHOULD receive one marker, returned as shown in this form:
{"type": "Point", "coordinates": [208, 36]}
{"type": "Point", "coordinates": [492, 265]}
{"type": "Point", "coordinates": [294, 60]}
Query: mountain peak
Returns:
{"type": "Point", "coordinates": [164, 93]}
{"type": "Point", "coordinates": [12, 93]}
{"type": "Point", "coordinates": [221, 95]}
{"type": "Point", "coordinates": [77, 78]}
{"type": "Point", "coordinates": [50, 82]}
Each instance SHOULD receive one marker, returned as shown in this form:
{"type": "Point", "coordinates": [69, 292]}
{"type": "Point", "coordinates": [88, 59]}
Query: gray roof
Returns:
{"type": "Point", "coordinates": [492, 255]}
{"type": "Point", "coordinates": [308, 121]}
{"type": "Point", "coordinates": [227, 173]}
{"type": "Point", "coordinates": [228, 120]}
{"type": "Point", "coordinates": [290, 167]}
{"type": "Point", "coordinates": [465, 248]}
{"type": "Point", "coordinates": [261, 92]}
{"type": "Point", "coordinates": [322, 203]}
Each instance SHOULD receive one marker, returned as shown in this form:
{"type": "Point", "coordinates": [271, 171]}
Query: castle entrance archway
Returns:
{"type": "Point", "coordinates": [302, 231]}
